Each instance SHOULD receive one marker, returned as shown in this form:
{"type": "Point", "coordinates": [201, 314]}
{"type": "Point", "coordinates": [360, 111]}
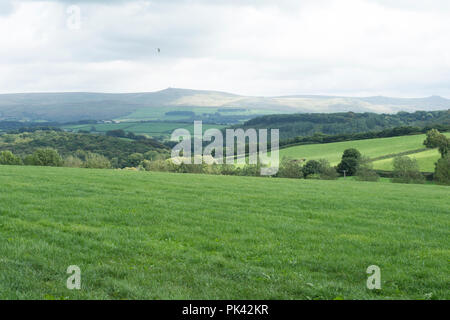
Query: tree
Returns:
{"type": "Point", "coordinates": [350, 161]}
{"type": "Point", "coordinates": [311, 167]}
{"type": "Point", "coordinates": [442, 171]}
{"type": "Point", "coordinates": [406, 170]}
{"type": "Point", "coordinates": [45, 157]}
{"type": "Point", "coordinates": [119, 133]}
{"type": "Point", "coordinates": [435, 139]}
{"type": "Point", "coordinates": [134, 159]}
{"type": "Point", "coordinates": [8, 158]}
{"type": "Point", "coordinates": [290, 168]}
{"type": "Point", "coordinates": [351, 153]}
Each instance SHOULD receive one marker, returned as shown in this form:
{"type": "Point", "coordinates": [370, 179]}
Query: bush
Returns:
{"type": "Point", "coordinates": [311, 167]}
{"type": "Point", "coordinates": [406, 170]}
{"type": "Point", "coordinates": [251, 170]}
{"type": "Point", "coordinates": [328, 173]}
{"type": "Point", "coordinates": [133, 160]}
{"type": "Point", "coordinates": [44, 157]}
{"type": "Point", "coordinates": [229, 170]}
{"type": "Point", "coordinates": [8, 158]}
{"type": "Point", "coordinates": [442, 171]}
{"type": "Point", "coordinates": [158, 166]}
{"type": "Point", "coordinates": [290, 168]}
{"type": "Point", "coordinates": [365, 171]}
{"type": "Point", "coordinates": [73, 162]}
{"type": "Point", "coordinates": [96, 161]}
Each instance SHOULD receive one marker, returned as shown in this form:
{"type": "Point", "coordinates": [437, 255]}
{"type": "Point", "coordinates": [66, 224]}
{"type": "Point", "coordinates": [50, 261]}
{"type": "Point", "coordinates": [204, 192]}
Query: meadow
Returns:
{"type": "Point", "coordinates": [386, 148]}
{"type": "Point", "coordinates": [151, 129]}
{"type": "Point", "coordinates": [141, 235]}
{"type": "Point", "coordinates": [159, 113]}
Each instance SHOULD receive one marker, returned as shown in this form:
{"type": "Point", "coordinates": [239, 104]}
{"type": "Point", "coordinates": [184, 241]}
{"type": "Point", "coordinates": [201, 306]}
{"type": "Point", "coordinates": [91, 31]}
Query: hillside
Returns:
{"type": "Point", "coordinates": [115, 149]}
{"type": "Point", "coordinates": [139, 235]}
{"type": "Point", "coordinates": [294, 125]}
{"type": "Point", "coordinates": [65, 107]}
{"type": "Point", "coordinates": [386, 148]}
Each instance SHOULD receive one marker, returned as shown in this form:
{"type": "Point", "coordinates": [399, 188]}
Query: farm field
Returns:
{"type": "Point", "coordinates": [372, 148]}
{"type": "Point", "coordinates": [159, 113]}
{"type": "Point", "coordinates": [151, 129]}
{"type": "Point", "coordinates": [425, 159]}
{"type": "Point", "coordinates": [140, 235]}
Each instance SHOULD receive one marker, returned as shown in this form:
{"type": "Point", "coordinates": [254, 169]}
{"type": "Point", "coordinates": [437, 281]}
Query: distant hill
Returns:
{"type": "Point", "coordinates": [308, 124]}
{"type": "Point", "coordinates": [65, 107]}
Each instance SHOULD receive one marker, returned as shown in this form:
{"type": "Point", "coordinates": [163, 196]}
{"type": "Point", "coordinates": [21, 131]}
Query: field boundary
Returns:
{"type": "Point", "coordinates": [404, 153]}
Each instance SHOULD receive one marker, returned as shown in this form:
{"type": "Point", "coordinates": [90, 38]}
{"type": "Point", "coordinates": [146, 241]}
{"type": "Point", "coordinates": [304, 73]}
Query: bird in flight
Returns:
{"type": "Point", "coordinates": [159, 50]}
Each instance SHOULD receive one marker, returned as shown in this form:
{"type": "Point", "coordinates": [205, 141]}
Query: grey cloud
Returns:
{"type": "Point", "coordinates": [6, 7]}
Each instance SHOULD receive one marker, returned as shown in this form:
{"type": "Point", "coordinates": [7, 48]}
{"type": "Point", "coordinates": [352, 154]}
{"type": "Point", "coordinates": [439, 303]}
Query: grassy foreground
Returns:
{"type": "Point", "coordinates": [179, 236]}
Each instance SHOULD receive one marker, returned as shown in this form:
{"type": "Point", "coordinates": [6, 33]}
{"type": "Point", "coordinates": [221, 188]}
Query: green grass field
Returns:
{"type": "Point", "coordinates": [159, 113]}
{"type": "Point", "coordinates": [372, 148]}
{"type": "Point", "coordinates": [179, 236]}
{"type": "Point", "coordinates": [151, 129]}
{"type": "Point", "coordinates": [425, 159]}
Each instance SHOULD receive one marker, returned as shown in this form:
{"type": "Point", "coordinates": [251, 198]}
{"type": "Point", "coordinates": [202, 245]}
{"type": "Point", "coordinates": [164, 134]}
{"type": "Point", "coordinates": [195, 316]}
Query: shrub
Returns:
{"type": "Point", "coordinates": [442, 171]}
{"type": "Point", "coordinates": [134, 159]}
{"type": "Point", "coordinates": [365, 171]}
{"type": "Point", "coordinates": [310, 168]}
{"type": "Point", "coordinates": [251, 170]}
{"type": "Point", "coordinates": [229, 170]}
{"type": "Point", "coordinates": [96, 161]}
{"type": "Point", "coordinates": [328, 173]}
{"type": "Point", "coordinates": [406, 170]}
{"type": "Point", "coordinates": [158, 166]}
{"type": "Point", "coordinates": [8, 158]}
{"type": "Point", "coordinates": [45, 157]}
{"type": "Point", "coordinates": [73, 162]}
{"type": "Point", "coordinates": [290, 168]}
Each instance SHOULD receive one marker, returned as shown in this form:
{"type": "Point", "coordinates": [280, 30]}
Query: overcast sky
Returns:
{"type": "Point", "coordinates": [250, 47]}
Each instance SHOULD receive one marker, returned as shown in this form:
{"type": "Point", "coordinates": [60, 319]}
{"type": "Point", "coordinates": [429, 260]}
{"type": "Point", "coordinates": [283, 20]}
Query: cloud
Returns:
{"type": "Point", "coordinates": [356, 47]}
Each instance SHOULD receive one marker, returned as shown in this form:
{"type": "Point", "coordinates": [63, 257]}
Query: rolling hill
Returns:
{"type": "Point", "coordinates": [140, 235]}
{"type": "Point", "coordinates": [65, 107]}
{"type": "Point", "coordinates": [384, 149]}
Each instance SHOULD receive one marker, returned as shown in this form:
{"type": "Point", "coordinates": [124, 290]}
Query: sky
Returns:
{"type": "Point", "coordinates": [251, 47]}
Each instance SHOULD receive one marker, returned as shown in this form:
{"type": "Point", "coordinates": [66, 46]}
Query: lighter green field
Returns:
{"type": "Point", "coordinates": [159, 113]}
{"type": "Point", "coordinates": [372, 148]}
{"type": "Point", "coordinates": [138, 235]}
{"type": "Point", "coordinates": [425, 160]}
{"type": "Point", "coordinates": [151, 129]}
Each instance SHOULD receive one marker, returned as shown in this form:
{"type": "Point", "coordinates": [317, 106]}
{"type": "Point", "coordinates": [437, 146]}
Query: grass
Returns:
{"type": "Point", "coordinates": [159, 113]}
{"type": "Point", "coordinates": [152, 129]}
{"type": "Point", "coordinates": [138, 235]}
{"type": "Point", "coordinates": [425, 160]}
{"type": "Point", "coordinates": [372, 148]}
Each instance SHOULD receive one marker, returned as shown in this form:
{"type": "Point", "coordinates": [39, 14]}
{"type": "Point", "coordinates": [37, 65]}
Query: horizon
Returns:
{"type": "Point", "coordinates": [300, 95]}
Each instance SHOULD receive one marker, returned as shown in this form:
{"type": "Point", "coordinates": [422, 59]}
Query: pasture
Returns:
{"type": "Point", "coordinates": [141, 235]}
{"type": "Point", "coordinates": [387, 148]}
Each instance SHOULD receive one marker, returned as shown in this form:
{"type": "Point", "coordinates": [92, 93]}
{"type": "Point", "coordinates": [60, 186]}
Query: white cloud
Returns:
{"type": "Point", "coordinates": [352, 47]}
